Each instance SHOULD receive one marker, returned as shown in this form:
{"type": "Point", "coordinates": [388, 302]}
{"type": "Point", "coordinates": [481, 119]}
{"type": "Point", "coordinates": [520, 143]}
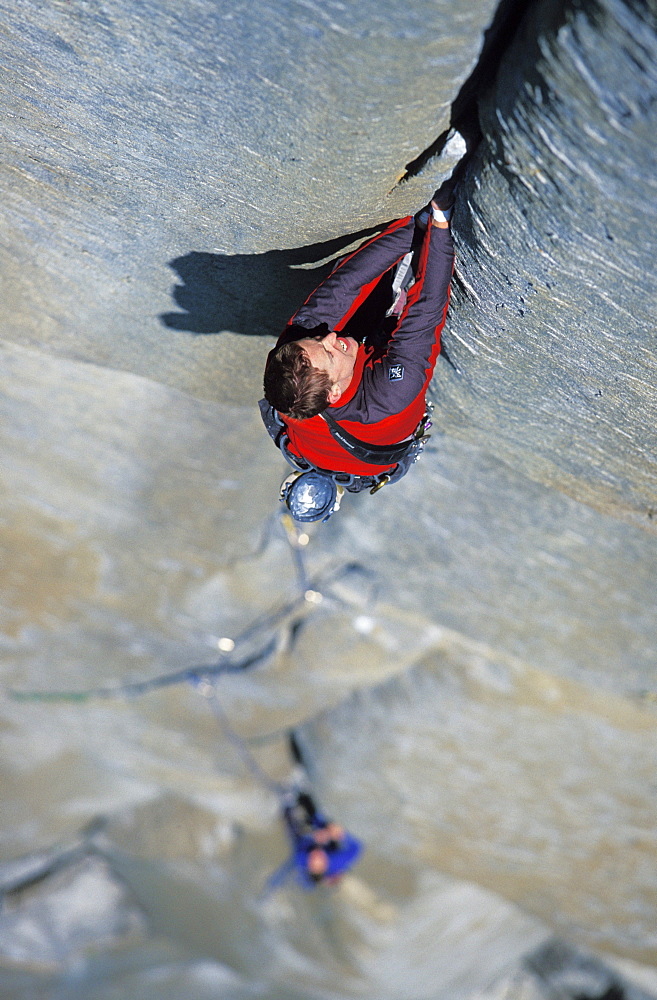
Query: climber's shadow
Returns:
{"type": "Point", "coordinates": [248, 293]}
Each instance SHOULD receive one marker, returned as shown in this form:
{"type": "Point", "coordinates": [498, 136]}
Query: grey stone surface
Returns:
{"type": "Point", "coordinates": [120, 492]}
{"type": "Point", "coordinates": [564, 971]}
{"type": "Point", "coordinates": [136, 133]}
{"type": "Point", "coordinates": [556, 970]}
{"type": "Point", "coordinates": [513, 565]}
{"type": "Point", "coordinates": [485, 675]}
{"type": "Point", "coordinates": [553, 325]}
{"type": "Point", "coordinates": [51, 924]}
{"type": "Point", "coordinates": [535, 788]}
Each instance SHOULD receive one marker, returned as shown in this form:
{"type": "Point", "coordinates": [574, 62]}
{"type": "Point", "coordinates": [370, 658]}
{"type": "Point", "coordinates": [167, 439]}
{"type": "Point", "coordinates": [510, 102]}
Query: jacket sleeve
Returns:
{"type": "Point", "coordinates": [337, 298]}
{"type": "Point", "coordinates": [395, 380]}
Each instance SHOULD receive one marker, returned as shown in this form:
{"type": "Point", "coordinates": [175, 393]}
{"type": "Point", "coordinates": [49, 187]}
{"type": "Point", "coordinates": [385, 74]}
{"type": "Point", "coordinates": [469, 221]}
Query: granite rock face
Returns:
{"type": "Point", "coordinates": [475, 683]}
{"type": "Point", "coordinates": [49, 926]}
{"type": "Point", "coordinates": [137, 133]}
{"type": "Point", "coordinates": [552, 331]}
{"type": "Point", "coordinates": [533, 787]}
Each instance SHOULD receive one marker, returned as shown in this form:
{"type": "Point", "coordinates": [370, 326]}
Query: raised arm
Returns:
{"type": "Point", "coordinates": [339, 295]}
{"type": "Point", "coordinates": [396, 379]}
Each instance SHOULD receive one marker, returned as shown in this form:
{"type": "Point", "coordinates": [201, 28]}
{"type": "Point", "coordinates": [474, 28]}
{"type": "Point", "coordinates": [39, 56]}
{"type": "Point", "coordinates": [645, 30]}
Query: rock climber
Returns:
{"type": "Point", "coordinates": [345, 385]}
{"type": "Point", "coordinates": [322, 851]}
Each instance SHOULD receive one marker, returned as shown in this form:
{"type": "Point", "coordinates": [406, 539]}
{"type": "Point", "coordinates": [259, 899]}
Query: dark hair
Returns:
{"type": "Point", "coordinates": [292, 385]}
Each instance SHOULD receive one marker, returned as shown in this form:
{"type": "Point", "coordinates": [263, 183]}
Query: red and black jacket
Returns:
{"type": "Point", "coordinates": [385, 399]}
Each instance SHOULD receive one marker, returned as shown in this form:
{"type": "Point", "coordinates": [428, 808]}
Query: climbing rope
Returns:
{"type": "Point", "coordinates": [134, 689]}
{"type": "Point", "coordinates": [204, 677]}
{"type": "Point", "coordinates": [207, 689]}
{"type": "Point", "coordinates": [309, 592]}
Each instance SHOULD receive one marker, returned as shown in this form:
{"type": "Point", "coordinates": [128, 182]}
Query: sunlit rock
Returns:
{"type": "Point", "coordinates": [123, 498]}
{"type": "Point", "coordinates": [475, 682]}
{"type": "Point", "coordinates": [537, 789]}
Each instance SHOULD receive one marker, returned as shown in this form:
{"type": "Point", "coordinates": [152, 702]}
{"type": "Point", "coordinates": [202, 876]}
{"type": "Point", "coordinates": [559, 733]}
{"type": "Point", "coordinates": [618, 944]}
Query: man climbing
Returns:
{"type": "Point", "coordinates": [345, 385]}
{"type": "Point", "coordinates": [322, 851]}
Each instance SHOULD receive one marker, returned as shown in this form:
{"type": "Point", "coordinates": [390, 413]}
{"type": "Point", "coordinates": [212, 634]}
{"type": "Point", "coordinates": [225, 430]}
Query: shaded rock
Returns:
{"type": "Point", "coordinates": [563, 971]}
{"type": "Point", "coordinates": [51, 924]}
{"type": "Point", "coordinates": [19, 873]}
{"type": "Point", "coordinates": [551, 333]}
{"type": "Point", "coordinates": [556, 970]}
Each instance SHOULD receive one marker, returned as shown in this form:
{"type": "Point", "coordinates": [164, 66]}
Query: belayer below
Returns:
{"type": "Point", "coordinates": [345, 385]}
{"type": "Point", "coordinates": [322, 851]}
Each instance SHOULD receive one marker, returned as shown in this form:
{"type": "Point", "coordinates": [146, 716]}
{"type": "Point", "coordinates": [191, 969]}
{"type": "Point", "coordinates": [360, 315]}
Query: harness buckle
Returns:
{"type": "Point", "coordinates": [385, 478]}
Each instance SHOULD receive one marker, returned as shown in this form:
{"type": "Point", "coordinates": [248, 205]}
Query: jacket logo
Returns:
{"type": "Point", "coordinates": [395, 372]}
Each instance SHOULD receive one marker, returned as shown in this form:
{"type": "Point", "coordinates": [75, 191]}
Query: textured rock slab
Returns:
{"type": "Point", "coordinates": [452, 938]}
{"type": "Point", "coordinates": [511, 564]}
{"type": "Point", "coordinates": [552, 327]}
{"type": "Point", "coordinates": [139, 132]}
{"type": "Point", "coordinates": [116, 487]}
{"type": "Point", "coordinates": [537, 789]}
{"type": "Point", "coordinates": [555, 969]}
{"type": "Point", "coordinates": [51, 924]}
{"type": "Point", "coordinates": [381, 935]}
{"type": "Point", "coordinates": [565, 971]}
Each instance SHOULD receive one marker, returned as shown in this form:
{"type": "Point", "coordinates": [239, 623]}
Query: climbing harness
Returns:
{"type": "Point", "coordinates": [376, 454]}
{"type": "Point", "coordinates": [318, 488]}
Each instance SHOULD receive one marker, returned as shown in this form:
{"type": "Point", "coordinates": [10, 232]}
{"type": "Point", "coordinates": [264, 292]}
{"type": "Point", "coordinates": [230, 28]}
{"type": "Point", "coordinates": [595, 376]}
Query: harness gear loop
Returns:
{"type": "Point", "coordinates": [401, 456]}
